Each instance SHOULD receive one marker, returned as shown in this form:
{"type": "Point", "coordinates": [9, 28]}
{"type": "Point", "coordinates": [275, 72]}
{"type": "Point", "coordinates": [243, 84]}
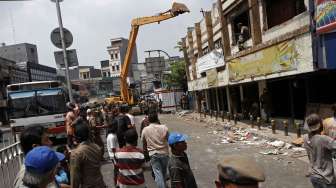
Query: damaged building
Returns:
{"type": "Point", "coordinates": [262, 57]}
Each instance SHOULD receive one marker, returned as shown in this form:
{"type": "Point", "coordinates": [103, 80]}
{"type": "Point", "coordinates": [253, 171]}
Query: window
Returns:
{"type": "Point", "coordinates": [109, 74]}
{"type": "Point", "coordinates": [279, 11]}
{"type": "Point", "coordinates": [32, 50]}
{"type": "Point", "coordinates": [113, 69]}
{"type": "Point", "coordinates": [116, 56]}
{"type": "Point", "coordinates": [104, 74]}
{"type": "Point", "coordinates": [112, 57]}
{"type": "Point", "coordinates": [117, 67]}
{"type": "Point", "coordinates": [218, 44]}
{"type": "Point", "coordinates": [240, 23]}
{"type": "Point", "coordinates": [205, 50]}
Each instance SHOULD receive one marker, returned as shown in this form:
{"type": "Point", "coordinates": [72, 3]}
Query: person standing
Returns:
{"type": "Point", "coordinates": [180, 172]}
{"type": "Point", "coordinates": [130, 161]}
{"type": "Point", "coordinates": [266, 104]}
{"type": "Point", "coordinates": [155, 142]}
{"type": "Point", "coordinates": [237, 171]}
{"type": "Point", "coordinates": [124, 123]}
{"type": "Point", "coordinates": [130, 116]}
{"type": "Point", "coordinates": [85, 159]}
{"type": "Point", "coordinates": [329, 124]}
{"type": "Point", "coordinates": [73, 112]}
{"type": "Point", "coordinates": [41, 164]}
{"type": "Point", "coordinates": [112, 146]}
{"type": "Point", "coordinates": [94, 131]}
{"type": "Point", "coordinates": [319, 149]}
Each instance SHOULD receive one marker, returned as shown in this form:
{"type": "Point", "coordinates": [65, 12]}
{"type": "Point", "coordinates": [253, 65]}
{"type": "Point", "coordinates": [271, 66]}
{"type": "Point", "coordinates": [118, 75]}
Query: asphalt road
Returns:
{"type": "Point", "coordinates": [205, 151]}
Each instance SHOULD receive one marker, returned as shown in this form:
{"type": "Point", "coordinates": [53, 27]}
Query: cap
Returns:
{"type": "Point", "coordinates": [240, 170]}
{"type": "Point", "coordinates": [42, 159]}
{"type": "Point", "coordinates": [175, 137]}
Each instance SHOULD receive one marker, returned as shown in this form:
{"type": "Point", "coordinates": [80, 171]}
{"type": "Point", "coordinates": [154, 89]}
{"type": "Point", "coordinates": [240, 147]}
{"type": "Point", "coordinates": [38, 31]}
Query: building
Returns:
{"type": "Point", "coordinates": [245, 51]}
{"type": "Point", "coordinates": [117, 53]}
{"type": "Point", "coordinates": [105, 68]}
{"type": "Point", "coordinates": [38, 72]}
{"type": "Point", "coordinates": [23, 52]}
{"type": "Point", "coordinates": [89, 72]}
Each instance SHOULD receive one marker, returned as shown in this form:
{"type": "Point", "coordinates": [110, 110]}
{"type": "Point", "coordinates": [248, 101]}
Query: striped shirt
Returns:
{"type": "Point", "coordinates": [129, 161]}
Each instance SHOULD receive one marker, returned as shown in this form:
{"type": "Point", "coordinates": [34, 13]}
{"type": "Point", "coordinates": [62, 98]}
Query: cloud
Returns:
{"type": "Point", "coordinates": [93, 23]}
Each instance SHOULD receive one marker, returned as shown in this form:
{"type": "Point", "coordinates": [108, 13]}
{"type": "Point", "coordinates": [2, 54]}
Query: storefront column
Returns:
{"type": "Point", "coordinates": [228, 99]}
{"type": "Point", "coordinates": [207, 99]}
{"type": "Point", "coordinates": [261, 86]}
{"type": "Point", "coordinates": [291, 100]}
{"type": "Point", "coordinates": [217, 99]}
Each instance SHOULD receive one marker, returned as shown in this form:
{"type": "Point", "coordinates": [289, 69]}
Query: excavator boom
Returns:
{"type": "Point", "coordinates": [176, 10]}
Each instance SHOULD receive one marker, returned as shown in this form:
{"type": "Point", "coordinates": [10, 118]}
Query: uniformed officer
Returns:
{"type": "Point", "coordinates": [239, 172]}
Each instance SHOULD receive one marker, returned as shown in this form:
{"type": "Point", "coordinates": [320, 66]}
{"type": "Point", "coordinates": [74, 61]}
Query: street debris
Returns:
{"type": "Point", "coordinates": [183, 113]}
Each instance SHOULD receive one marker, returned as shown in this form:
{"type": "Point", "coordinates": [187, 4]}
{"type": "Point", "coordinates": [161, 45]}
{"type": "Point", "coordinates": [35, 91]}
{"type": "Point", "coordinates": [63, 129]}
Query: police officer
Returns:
{"type": "Point", "coordinates": [239, 172]}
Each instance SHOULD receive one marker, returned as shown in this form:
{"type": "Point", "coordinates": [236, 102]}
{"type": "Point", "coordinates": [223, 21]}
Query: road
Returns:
{"type": "Point", "coordinates": [205, 151]}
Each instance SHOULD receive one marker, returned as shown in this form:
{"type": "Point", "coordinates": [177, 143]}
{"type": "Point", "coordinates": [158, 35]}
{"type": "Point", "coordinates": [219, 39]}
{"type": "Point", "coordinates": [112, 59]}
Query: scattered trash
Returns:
{"type": "Point", "coordinates": [271, 152]}
{"type": "Point", "coordinates": [298, 142]}
{"type": "Point", "coordinates": [277, 143]}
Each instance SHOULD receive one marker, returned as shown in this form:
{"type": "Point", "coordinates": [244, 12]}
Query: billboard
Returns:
{"type": "Point", "coordinates": [212, 60]}
{"type": "Point", "coordinates": [275, 59]}
{"type": "Point", "coordinates": [325, 16]}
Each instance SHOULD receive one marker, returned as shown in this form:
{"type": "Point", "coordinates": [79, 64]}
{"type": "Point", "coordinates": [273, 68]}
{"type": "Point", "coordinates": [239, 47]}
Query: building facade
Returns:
{"type": "Point", "coordinates": [259, 57]}
{"type": "Point", "coordinates": [38, 72]}
{"type": "Point", "coordinates": [117, 53]}
{"type": "Point", "coordinates": [23, 52]}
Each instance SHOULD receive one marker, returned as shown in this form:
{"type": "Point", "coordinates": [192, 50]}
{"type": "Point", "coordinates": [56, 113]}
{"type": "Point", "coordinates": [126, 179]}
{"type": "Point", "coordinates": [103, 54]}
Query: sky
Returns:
{"type": "Point", "coordinates": [93, 23]}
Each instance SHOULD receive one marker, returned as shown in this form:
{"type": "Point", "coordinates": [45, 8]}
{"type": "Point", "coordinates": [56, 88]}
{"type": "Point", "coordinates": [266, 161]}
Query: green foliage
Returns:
{"type": "Point", "coordinates": [177, 78]}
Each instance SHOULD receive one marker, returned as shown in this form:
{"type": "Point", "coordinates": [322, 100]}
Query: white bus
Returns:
{"type": "Point", "coordinates": [37, 103]}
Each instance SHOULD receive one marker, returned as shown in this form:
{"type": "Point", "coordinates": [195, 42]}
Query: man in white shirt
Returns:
{"type": "Point", "coordinates": [155, 142]}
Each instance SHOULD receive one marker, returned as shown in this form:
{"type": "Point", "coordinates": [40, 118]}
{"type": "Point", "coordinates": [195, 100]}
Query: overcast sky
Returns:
{"type": "Point", "coordinates": [93, 23]}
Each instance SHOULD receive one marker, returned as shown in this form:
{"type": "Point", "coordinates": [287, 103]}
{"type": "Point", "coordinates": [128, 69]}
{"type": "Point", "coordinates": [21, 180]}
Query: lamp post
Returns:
{"type": "Point", "coordinates": [59, 17]}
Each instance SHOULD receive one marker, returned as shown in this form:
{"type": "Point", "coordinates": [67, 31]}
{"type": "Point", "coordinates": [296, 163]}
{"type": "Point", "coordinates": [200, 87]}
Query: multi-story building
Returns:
{"type": "Point", "coordinates": [23, 52]}
{"type": "Point", "coordinates": [38, 72]}
{"type": "Point", "coordinates": [88, 72]}
{"type": "Point", "coordinates": [261, 54]}
{"type": "Point", "coordinates": [117, 52]}
{"type": "Point", "coordinates": [105, 68]}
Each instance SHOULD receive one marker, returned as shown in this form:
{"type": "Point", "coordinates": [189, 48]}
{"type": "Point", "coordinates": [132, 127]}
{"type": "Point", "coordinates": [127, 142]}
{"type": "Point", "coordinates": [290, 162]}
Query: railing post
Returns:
{"type": "Point", "coordinates": [298, 129]}
{"type": "Point", "coordinates": [229, 116]}
{"type": "Point", "coordinates": [259, 123]}
{"type": "Point", "coordinates": [216, 112]}
{"type": "Point", "coordinates": [222, 114]}
{"type": "Point", "coordinates": [211, 114]}
{"type": "Point", "coordinates": [285, 124]}
{"type": "Point", "coordinates": [273, 126]}
{"type": "Point", "coordinates": [235, 119]}
{"type": "Point", "coordinates": [251, 121]}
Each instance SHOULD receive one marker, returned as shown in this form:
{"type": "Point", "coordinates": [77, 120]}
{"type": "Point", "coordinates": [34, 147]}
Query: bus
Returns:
{"type": "Point", "coordinates": [38, 103]}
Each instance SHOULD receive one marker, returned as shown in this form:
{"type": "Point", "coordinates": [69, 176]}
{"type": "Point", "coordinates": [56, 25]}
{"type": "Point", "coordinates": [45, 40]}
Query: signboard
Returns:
{"type": "Point", "coordinates": [212, 78]}
{"type": "Point", "coordinates": [275, 59]}
{"type": "Point", "coordinates": [325, 16]}
{"type": "Point", "coordinates": [72, 58]}
{"type": "Point", "coordinates": [212, 60]}
{"type": "Point", "coordinates": [56, 38]}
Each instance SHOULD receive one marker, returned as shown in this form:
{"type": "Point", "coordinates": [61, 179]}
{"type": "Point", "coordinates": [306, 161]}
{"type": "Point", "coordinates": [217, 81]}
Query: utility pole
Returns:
{"type": "Point", "coordinates": [59, 16]}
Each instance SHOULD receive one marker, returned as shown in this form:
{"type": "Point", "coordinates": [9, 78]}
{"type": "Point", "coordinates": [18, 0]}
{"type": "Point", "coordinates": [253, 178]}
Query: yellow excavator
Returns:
{"type": "Point", "coordinates": [126, 93]}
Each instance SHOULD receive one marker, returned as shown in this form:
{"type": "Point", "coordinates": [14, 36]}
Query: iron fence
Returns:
{"type": "Point", "coordinates": [11, 159]}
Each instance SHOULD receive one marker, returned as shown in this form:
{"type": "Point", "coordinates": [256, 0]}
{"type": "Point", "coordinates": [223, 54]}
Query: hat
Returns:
{"type": "Point", "coordinates": [175, 137]}
{"type": "Point", "coordinates": [240, 170]}
{"type": "Point", "coordinates": [42, 159]}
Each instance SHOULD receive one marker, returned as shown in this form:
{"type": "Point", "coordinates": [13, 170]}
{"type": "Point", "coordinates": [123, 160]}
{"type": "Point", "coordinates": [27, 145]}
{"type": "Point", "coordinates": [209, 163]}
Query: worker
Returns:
{"type": "Point", "coordinates": [243, 35]}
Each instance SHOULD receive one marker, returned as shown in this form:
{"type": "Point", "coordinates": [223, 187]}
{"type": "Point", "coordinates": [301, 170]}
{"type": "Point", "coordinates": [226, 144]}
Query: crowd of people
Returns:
{"type": "Point", "coordinates": [78, 163]}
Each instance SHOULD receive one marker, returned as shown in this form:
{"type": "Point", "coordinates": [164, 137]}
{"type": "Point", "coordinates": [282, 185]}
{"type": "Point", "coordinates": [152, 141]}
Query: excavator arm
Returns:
{"type": "Point", "coordinates": [176, 10]}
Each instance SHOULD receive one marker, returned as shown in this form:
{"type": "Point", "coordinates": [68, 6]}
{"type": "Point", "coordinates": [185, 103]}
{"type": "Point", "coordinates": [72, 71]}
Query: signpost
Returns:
{"type": "Point", "coordinates": [72, 58]}
{"type": "Point", "coordinates": [56, 38]}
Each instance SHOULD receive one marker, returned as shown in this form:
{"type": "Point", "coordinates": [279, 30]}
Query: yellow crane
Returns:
{"type": "Point", "coordinates": [177, 9]}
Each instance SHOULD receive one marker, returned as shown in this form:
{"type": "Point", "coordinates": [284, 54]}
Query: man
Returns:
{"type": "Point", "coordinates": [30, 138]}
{"type": "Point", "coordinates": [94, 131]}
{"type": "Point", "coordinates": [124, 123]}
{"type": "Point", "coordinates": [243, 35]}
{"type": "Point", "coordinates": [85, 160]}
{"type": "Point", "coordinates": [154, 138]}
{"type": "Point", "coordinates": [329, 124]}
{"type": "Point", "coordinates": [130, 161]}
{"type": "Point", "coordinates": [41, 164]}
{"type": "Point", "coordinates": [180, 172]}
{"type": "Point", "coordinates": [319, 149]}
{"type": "Point", "coordinates": [237, 171]}
{"type": "Point", "coordinates": [73, 112]}
{"type": "Point", "coordinates": [130, 116]}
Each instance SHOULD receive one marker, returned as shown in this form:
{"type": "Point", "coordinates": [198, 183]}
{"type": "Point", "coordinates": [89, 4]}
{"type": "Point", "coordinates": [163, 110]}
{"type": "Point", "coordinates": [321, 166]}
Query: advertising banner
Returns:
{"type": "Point", "coordinates": [325, 15]}
{"type": "Point", "coordinates": [212, 60]}
{"type": "Point", "coordinates": [212, 78]}
{"type": "Point", "coordinates": [275, 59]}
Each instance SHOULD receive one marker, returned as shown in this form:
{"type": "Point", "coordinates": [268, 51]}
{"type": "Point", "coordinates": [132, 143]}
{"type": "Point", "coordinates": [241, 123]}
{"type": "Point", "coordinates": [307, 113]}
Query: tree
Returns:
{"type": "Point", "coordinates": [177, 77]}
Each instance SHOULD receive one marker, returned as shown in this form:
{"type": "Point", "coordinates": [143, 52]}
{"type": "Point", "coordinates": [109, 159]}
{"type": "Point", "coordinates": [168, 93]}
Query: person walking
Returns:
{"type": "Point", "coordinates": [130, 161]}
{"type": "Point", "coordinates": [40, 164]}
{"type": "Point", "coordinates": [180, 172]}
{"type": "Point", "coordinates": [155, 142]}
{"type": "Point", "coordinates": [319, 149]}
{"type": "Point", "coordinates": [73, 112]}
{"type": "Point", "coordinates": [85, 159]}
{"type": "Point", "coordinates": [237, 171]}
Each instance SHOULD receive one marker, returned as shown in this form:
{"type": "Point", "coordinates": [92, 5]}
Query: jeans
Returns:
{"type": "Point", "coordinates": [159, 163]}
{"type": "Point", "coordinates": [318, 183]}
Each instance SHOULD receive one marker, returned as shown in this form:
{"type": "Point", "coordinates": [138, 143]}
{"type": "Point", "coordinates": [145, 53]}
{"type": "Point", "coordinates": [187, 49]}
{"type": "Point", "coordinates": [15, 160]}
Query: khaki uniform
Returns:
{"type": "Point", "coordinates": [85, 163]}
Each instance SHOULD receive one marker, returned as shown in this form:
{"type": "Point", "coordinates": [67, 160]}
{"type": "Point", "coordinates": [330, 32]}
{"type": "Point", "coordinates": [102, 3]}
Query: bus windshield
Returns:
{"type": "Point", "coordinates": [37, 103]}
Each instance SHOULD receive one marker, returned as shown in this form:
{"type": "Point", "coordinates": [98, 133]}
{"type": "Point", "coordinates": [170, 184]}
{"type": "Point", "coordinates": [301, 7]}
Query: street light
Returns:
{"type": "Point", "coordinates": [59, 16]}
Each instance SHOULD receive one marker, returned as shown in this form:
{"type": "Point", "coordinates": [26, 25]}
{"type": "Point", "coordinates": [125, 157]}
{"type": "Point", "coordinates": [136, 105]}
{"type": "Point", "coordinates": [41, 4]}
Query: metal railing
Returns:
{"type": "Point", "coordinates": [6, 138]}
{"type": "Point", "coordinates": [11, 159]}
